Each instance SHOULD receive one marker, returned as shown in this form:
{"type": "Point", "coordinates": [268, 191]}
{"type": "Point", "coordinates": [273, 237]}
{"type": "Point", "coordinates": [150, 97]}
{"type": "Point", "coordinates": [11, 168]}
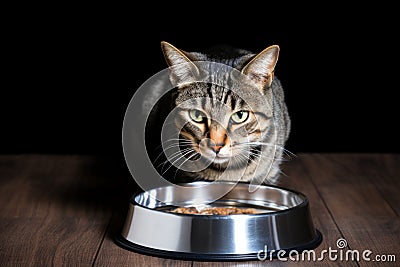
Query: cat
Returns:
{"type": "Point", "coordinates": [245, 143]}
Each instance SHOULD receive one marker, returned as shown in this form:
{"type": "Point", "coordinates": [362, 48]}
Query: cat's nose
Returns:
{"type": "Point", "coordinates": [217, 147]}
{"type": "Point", "coordinates": [218, 138]}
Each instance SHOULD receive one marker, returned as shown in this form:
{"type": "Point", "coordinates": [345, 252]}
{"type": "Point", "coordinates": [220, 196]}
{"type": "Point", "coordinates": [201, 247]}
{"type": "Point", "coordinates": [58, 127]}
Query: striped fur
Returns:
{"type": "Point", "coordinates": [254, 148]}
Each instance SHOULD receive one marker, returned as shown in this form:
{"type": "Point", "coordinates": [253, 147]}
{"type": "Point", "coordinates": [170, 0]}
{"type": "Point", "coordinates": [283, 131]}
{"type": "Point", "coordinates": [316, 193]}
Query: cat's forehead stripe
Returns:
{"type": "Point", "coordinates": [211, 96]}
{"type": "Point", "coordinates": [227, 94]}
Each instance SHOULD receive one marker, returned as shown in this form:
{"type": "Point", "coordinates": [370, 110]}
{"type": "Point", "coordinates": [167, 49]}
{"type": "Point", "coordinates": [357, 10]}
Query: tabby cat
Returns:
{"type": "Point", "coordinates": [216, 124]}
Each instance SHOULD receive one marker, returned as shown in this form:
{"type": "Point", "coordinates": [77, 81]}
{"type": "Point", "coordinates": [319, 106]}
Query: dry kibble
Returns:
{"type": "Point", "coordinates": [215, 211]}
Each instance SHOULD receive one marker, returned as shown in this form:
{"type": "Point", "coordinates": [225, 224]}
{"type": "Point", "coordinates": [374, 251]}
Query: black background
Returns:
{"type": "Point", "coordinates": [69, 73]}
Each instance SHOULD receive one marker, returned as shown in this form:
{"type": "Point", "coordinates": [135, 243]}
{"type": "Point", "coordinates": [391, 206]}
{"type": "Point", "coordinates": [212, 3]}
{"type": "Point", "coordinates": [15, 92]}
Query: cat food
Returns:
{"type": "Point", "coordinates": [215, 211]}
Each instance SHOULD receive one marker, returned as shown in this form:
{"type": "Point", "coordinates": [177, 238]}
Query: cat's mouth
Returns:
{"type": "Point", "coordinates": [219, 158]}
{"type": "Point", "coordinates": [229, 156]}
{"type": "Point", "coordinates": [214, 153]}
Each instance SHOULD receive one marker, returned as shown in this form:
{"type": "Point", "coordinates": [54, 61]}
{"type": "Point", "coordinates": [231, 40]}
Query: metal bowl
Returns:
{"type": "Point", "coordinates": [282, 223]}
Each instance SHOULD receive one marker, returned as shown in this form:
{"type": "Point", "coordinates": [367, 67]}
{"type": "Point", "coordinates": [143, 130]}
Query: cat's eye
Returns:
{"type": "Point", "coordinates": [240, 116]}
{"type": "Point", "coordinates": [197, 115]}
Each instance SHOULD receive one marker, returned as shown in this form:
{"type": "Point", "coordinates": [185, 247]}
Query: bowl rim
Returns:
{"type": "Point", "coordinates": [303, 204]}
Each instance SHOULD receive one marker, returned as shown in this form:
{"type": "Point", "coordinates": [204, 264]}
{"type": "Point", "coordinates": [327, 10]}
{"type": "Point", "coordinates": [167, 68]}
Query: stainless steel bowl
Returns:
{"type": "Point", "coordinates": [283, 223]}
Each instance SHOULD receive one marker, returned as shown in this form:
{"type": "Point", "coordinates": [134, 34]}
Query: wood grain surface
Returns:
{"type": "Point", "coordinates": [65, 210]}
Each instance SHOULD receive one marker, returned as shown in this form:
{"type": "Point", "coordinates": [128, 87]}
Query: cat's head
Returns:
{"type": "Point", "coordinates": [215, 121]}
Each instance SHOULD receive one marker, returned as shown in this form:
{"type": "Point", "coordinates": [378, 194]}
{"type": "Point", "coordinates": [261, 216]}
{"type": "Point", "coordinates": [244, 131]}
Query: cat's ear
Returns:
{"type": "Point", "coordinates": [183, 70]}
{"type": "Point", "coordinates": [261, 68]}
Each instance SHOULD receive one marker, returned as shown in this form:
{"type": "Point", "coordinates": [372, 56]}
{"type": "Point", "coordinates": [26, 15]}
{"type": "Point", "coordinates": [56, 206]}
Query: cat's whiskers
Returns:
{"type": "Point", "coordinates": [240, 158]}
{"type": "Point", "coordinates": [168, 161]}
{"type": "Point", "coordinates": [259, 155]}
{"type": "Point", "coordinates": [178, 168]}
{"type": "Point", "coordinates": [174, 155]}
{"type": "Point", "coordinates": [257, 143]}
{"type": "Point", "coordinates": [200, 114]}
{"type": "Point", "coordinates": [177, 143]}
{"type": "Point", "coordinates": [262, 156]}
{"type": "Point", "coordinates": [182, 155]}
{"type": "Point", "coordinates": [164, 150]}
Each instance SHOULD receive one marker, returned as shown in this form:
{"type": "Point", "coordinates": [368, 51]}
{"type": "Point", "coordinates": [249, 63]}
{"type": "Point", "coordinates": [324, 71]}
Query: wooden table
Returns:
{"type": "Point", "coordinates": [65, 210]}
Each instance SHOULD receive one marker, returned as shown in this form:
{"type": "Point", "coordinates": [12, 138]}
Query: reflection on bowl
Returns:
{"type": "Point", "coordinates": [281, 221]}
